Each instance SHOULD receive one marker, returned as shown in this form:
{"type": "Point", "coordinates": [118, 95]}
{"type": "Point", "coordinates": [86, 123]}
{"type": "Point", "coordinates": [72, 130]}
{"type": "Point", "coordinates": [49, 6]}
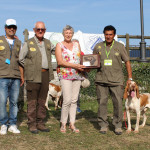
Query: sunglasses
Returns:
{"type": "Point", "coordinates": [12, 26]}
{"type": "Point", "coordinates": [40, 29]}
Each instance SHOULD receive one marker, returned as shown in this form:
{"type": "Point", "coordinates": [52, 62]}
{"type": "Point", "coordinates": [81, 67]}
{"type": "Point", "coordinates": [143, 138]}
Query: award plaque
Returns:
{"type": "Point", "coordinates": [90, 60]}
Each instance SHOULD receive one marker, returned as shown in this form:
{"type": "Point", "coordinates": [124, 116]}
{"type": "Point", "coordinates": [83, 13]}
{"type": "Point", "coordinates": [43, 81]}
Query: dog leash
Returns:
{"type": "Point", "coordinates": [125, 119]}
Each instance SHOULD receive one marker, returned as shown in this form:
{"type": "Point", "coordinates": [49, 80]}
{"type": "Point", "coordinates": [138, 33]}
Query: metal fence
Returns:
{"type": "Point", "coordinates": [134, 51]}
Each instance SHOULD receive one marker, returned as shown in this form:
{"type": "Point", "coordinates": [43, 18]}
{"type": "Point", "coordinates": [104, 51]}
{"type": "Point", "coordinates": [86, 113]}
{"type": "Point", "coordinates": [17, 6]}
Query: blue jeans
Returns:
{"type": "Point", "coordinates": [9, 87]}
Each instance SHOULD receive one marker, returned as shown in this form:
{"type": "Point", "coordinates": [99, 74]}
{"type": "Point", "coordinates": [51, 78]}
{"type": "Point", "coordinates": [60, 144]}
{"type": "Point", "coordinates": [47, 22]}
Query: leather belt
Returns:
{"type": "Point", "coordinates": [43, 70]}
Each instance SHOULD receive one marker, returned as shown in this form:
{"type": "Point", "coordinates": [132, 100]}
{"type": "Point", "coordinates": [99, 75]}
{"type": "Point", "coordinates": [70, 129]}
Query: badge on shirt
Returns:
{"type": "Point", "coordinates": [32, 49]}
{"type": "Point", "coordinates": [2, 47]}
{"type": "Point", "coordinates": [107, 62]}
{"type": "Point", "coordinates": [31, 43]}
{"type": "Point", "coordinates": [117, 54]}
{"type": "Point", "coordinates": [117, 50]}
{"type": "Point", "coordinates": [1, 41]}
{"type": "Point", "coordinates": [99, 47]}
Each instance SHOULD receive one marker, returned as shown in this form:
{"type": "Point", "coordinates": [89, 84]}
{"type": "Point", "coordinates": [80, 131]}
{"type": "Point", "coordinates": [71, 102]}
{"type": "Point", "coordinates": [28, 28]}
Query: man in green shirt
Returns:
{"type": "Point", "coordinates": [110, 78]}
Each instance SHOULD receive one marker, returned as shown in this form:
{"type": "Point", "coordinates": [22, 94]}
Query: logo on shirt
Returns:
{"type": "Point", "coordinates": [99, 47]}
{"type": "Point", "coordinates": [117, 54]}
{"type": "Point", "coordinates": [2, 47]}
{"type": "Point", "coordinates": [31, 43]}
{"type": "Point", "coordinates": [32, 49]}
{"type": "Point", "coordinates": [117, 50]}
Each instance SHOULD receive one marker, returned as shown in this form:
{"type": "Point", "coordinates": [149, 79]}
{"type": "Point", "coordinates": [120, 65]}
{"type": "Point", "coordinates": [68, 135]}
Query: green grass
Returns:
{"type": "Point", "coordinates": [89, 137]}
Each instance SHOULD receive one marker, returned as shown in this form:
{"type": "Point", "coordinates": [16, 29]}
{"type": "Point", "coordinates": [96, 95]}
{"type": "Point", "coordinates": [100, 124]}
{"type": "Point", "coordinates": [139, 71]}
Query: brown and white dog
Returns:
{"type": "Point", "coordinates": [137, 102]}
{"type": "Point", "coordinates": [54, 92]}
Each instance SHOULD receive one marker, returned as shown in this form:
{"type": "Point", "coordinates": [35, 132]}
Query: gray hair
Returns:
{"type": "Point", "coordinates": [68, 27]}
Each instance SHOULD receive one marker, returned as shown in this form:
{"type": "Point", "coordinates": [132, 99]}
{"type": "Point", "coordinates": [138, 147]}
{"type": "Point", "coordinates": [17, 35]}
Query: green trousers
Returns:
{"type": "Point", "coordinates": [116, 93]}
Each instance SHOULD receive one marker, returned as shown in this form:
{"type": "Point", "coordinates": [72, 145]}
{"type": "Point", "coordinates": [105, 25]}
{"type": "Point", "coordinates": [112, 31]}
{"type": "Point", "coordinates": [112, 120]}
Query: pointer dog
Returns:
{"type": "Point", "coordinates": [137, 102]}
{"type": "Point", "coordinates": [54, 92]}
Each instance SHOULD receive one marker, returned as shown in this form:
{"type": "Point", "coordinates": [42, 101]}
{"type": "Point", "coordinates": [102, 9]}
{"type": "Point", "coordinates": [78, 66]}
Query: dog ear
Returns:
{"type": "Point", "coordinates": [125, 92]}
{"type": "Point", "coordinates": [137, 92]}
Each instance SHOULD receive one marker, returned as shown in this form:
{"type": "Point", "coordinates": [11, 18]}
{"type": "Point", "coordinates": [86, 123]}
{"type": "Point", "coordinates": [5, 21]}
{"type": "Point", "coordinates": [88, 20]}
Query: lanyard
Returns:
{"type": "Point", "coordinates": [107, 53]}
{"type": "Point", "coordinates": [10, 45]}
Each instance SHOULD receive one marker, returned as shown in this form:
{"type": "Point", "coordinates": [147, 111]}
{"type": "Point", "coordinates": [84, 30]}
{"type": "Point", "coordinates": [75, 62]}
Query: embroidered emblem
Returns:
{"type": "Point", "coordinates": [31, 43]}
{"type": "Point", "coordinates": [1, 41]}
{"type": "Point", "coordinates": [117, 54]}
{"type": "Point", "coordinates": [117, 50]}
{"type": "Point", "coordinates": [99, 47]}
{"type": "Point", "coordinates": [32, 49]}
{"type": "Point", "coordinates": [2, 47]}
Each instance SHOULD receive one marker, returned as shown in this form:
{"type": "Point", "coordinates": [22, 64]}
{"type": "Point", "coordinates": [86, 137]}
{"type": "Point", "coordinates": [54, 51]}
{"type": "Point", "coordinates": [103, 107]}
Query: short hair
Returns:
{"type": "Point", "coordinates": [108, 28]}
{"type": "Point", "coordinates": [68, 27]}
{"type": "Point", "coordinates": [39, 22]}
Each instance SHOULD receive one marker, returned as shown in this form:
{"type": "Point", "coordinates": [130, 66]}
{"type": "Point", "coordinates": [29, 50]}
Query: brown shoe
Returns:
{"type": "Point", "coordinates": [42, 128]}
{"type": "Point", "coordinates": [103, 130]}
{"type": "Point", "coordinates": [33, 130]}
{"type": "Point", "coordinates": [118, 131]}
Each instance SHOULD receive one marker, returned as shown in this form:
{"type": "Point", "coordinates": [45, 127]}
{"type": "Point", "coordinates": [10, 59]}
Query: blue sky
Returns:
{"type": "Point", "coordinates": [89, 16]}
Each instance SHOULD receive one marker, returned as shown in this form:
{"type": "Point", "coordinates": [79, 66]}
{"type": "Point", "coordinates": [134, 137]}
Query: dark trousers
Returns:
{"type": "Point", "coordinates": [116, 93]}
{"type": "Point", "coordinates": [36, 98]}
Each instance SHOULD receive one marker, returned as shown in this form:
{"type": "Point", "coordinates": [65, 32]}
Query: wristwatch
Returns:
{"type": "Point", "coordinates": [130, 79]}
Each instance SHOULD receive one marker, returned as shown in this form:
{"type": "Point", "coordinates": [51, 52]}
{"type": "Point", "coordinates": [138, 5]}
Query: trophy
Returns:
{"type": "Point", "coordinates": [90, 60]}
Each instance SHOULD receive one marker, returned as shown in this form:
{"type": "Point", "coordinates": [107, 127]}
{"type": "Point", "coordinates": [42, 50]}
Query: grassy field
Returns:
{"type": "Point", "coordinates": [89, 137]}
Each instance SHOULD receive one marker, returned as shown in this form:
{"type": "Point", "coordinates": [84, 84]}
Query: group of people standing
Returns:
{"type": "Point", "coordinates": [32, 63]}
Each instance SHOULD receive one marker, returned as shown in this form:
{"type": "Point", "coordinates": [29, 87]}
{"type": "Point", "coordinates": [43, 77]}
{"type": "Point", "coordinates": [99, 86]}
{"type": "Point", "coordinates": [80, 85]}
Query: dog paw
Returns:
{"type": "Point", "coordinates": [136, 131]}
{"type": "Point", "coordinates": [141, 126]}
{"type": "Point", "coordinates": [128, 131]}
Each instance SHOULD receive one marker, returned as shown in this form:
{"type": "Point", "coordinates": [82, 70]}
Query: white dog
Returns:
{"type": "Point", "coordinates": [137, 102]}
{"type": "Point", "coordinates": [55, 91]}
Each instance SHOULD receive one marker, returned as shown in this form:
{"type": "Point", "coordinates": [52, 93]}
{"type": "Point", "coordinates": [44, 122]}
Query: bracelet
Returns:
{"type": "Point", "coordinates": [130, 79]}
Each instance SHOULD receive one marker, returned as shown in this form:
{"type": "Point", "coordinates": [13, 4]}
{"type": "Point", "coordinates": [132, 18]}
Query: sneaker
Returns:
{"type": "Point", "coordinates": [78, 110]}
{"type": "Point", "coordinates": [13, 129]}
{"type": "Point", "coordinates": [3, 130]}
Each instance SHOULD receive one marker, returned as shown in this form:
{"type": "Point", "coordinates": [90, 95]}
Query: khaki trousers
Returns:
{"type": "Point", "coordinates": [70, 89]}
{"type": "Point", "coordinates": [116, 93]}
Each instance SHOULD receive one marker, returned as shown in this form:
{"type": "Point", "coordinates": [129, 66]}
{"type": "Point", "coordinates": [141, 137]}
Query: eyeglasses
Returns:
{"type": "Point", "coordinates": [40, 29]}
{"type": "Point", "coordinates": [11, 26]}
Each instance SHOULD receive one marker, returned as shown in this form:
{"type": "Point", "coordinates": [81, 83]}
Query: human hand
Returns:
{"type": "Point", "coordinates": [80, 67]}
{"type": "Point", "coordinates": [22, 81]}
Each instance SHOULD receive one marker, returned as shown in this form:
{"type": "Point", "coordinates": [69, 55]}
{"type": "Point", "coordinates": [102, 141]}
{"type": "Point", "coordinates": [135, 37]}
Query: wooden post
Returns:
{"type": "Point", "coordinates": [127, 44]}
{"type": "Point", "coordinates": [26, 34]}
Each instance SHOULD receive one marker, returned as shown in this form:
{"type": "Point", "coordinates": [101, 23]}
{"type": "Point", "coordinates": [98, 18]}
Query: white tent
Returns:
{"type": "Point", "coordinates": [87, 41]}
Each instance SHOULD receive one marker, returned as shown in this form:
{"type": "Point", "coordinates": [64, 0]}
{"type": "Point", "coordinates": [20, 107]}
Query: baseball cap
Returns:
{"type": "Point", "coordinates": [10, 22]}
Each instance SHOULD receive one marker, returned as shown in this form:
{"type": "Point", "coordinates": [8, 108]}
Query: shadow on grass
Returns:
{"type": "Point", "coordinates": [92, 118]}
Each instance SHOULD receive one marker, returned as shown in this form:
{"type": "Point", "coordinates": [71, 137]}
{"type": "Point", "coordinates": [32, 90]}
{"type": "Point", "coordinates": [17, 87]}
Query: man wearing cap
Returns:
{"type": "Point", "coordinates": [35, 57]}
{"type": "Point", "coordinates": [9, 77]}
